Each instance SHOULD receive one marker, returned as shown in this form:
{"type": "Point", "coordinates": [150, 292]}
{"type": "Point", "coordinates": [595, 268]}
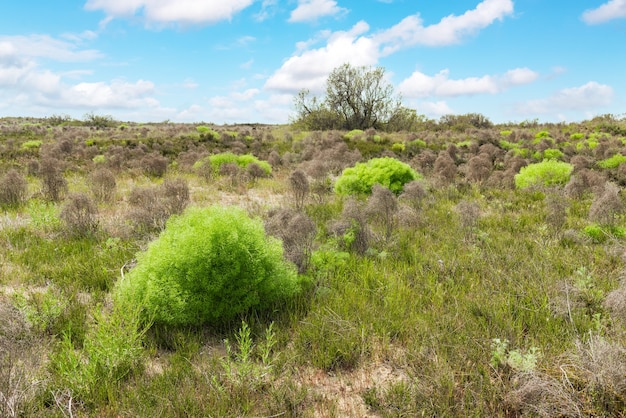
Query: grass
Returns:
{"type": "Point", "coordinates": [477, 304]}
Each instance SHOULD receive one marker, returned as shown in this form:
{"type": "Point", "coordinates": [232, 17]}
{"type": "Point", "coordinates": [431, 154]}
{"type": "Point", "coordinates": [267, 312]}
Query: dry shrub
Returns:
{"type": "Point", "coordinates": [102, 184]}
{"type": "Point", "coordinates": [274, 159]}
{"type": "Point", "coordinates": [151, 207]}
{"type": "Point", "coordinates": [381, 208]}
{"type": "Point", "coordinates": [585, 181]}
{"type": "Point", "coordinates": [32, 167]}
{"type": "Point", "coordinates": [556, 208]}
{"type": "Point", "coordinates": [232, 171]}
{"type": "Point", "coordinates": [255, 172]}
{"type": "Point", "coordinates": [444, 169]}
{"type": "Point", "coordinates": [539, 395]}
{"type": "Point", "coordinates": [297, 231]}
{"type": "Point", "coordinates": [13, 188]}
{"type": "Point", "coordinates": [175, 195]}
{"type": "Point", "coordinates": [53, 182]}
{"type": "Point", "coordinates": [469, 214]}
{"type": "Point", "coordinates": [615, 303]}
{"type": "Point", "coordinates": [299, 187]}
{"type": "Point", "coordinates": [580, 162]}
{"type": "Point", "coordinates": [603, 364]}
{"type": "Point", "coordinates": [154, 165]}
{"type": "Point", "coordinates": [80, 215]}
{"type": "Point", "coordinates": [425, 161]}
{"type": "Point", "coordinates": [352, 230]}
{"type": "Point", "coordinates": [479, 167]}
{"type": "Point", "coordinates": [606, 206]}
{"type": "Point", "coordinates": [414, 194]}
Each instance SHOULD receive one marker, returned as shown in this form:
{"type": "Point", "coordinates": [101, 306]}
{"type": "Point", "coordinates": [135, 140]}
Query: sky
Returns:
{"type": "Point", "coordinates": [243, 61]}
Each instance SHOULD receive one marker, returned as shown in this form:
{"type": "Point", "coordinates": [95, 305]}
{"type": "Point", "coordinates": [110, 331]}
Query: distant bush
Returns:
{"type": "Point", "coordinates": [53, 182]}
{"type": "Point", "coordinates": [216, 162]}
{"type": "Point", "coordinates": [150, 207]}
{"type": "Point", "coordinates": [154, 165]}
{"type": "Point", "coordinates": [102, 184]}
{"type": "Point", "coordinates": [552, 154]}
{"type": "Point", "coordinates": [80, 215]}
{"type": "Point", "coordinates": [13, 188]}
{"type": "Point", "coordinates": [612, 162]}
{"type": "Point", "coordinates": [547, 173]}
{"type": "Point", "coordinates": [208, 266]}
{"type": "Point", "coordinates": [386, 171]}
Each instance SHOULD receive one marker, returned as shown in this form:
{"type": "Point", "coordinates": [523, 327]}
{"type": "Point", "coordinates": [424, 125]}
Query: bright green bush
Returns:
{"type": "Point", "coordinates": [208, 266]}
{"type": "Point", "coordinates": [386, 171]}
{"type": "Point", "coordinates": [218, 160]}
{"type": "Point", "coordinates": [552, 154]}
{"type": "Point", "coordinates": [547, 172]}
{"type": "Point", "coordinates": [612, 162]}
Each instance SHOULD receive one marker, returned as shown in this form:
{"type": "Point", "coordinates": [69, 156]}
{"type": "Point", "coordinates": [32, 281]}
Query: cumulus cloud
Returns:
{"type": "Point", "coordinates": [614, 9]}
{"type": "Point", "coordinates": [587, 97]}
{"type": "Point", "coordinates": [440, 85]}
{"type": "Point", "coordinates": [450, 30]}
{"type": "Point", "coordinates": [309, 68]}
{"type": "Point", "coordinates": [311, 10]}
{"type": "Point", "coordinates": [45, 46]}
{"type": "Point", "coordinates": [434, 109]}
{"type": "Point", "coordinates": [183, 12]}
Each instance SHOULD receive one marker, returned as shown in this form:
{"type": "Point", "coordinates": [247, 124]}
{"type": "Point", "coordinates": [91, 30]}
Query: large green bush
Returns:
{"type": "Point", "coordinates": [208, 266]}
{"type": "Point", "coordinates": [547, 173]}
{"type": "Point", "coordinates": [386, 171]}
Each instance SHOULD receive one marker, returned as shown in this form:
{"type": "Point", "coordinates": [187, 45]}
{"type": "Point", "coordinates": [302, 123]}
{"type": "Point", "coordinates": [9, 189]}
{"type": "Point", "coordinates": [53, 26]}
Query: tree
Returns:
{"type": "Point", "coordinates": [356, 98]}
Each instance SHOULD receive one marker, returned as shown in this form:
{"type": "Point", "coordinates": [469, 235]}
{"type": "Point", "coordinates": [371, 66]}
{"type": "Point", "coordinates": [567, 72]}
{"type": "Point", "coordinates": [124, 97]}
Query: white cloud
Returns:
{"type": "Point", "coordinates": [311, 10]}
{"type": "Point", "coordinates": [440, 85]}
{"type": "Point", "coordinates": [587, 97]}
{"type": "Point", "coordinates": [45, 46]}
{"type": "Point", "coordinates": [183, 12]}
{"type": "Point", "coordinates": [614, 9]}
{"type": "Point", "coordinates": [450, 30]}
{"type": "Point", "coordinates": [433, 109]}
{"type": "Point", "coordinates": [309, 68]}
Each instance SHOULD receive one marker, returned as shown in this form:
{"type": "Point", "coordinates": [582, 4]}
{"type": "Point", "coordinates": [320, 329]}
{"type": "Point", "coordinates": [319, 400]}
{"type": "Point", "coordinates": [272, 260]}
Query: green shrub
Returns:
{"type": "Point", "coordinates": [208, 266]}
{"type": "Point", "coordinates": [547, 172]}
{"type": "Point", "coordinates": [31, 145]}
{"type": "Point", "coordinates": [216, 162]}
{"type": "Point", "coordinates": [552, 154]}
{"type": "Point", "coordinates": [612, 162]}
{"type": "Point", "coordinates": [386, 171]}
{"type": "Point", "coordinates": [600, 233]}
{"type": "Point", "coordinates": [355, 133]}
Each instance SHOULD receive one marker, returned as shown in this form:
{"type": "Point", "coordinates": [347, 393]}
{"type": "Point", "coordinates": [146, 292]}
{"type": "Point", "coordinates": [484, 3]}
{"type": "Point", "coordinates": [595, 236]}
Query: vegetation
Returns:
{"type": "Point", "coordinates": [385, 171]}
{"type": "Point", "coordinates": [207, 267]}
{"type": "Point", "coordinates": [146, 283]}
{"type": "Point", "coordinates": [356, 98]}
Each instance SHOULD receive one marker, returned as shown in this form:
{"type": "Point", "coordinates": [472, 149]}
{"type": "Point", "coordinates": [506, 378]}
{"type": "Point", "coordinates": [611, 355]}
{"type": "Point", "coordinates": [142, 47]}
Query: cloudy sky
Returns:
{"type": "Point", "coordinates": [231, 61]}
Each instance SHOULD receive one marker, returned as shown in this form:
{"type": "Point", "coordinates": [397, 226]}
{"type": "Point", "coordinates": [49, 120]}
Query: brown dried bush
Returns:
{"type": "Point", "coordinates": [585, 181]}
{"type": "Point", "coordinates": [102, 184]}
{"type": "Point", "coordinates": [154, 165]}
{"type": "Point", "coordinates": [381, 208]}
{"type": "Point", "coordinates": [299, 187]}
{"type": "Point", "coordinates": [444, 169]}
{"type": "Point", "coordinates": [274, 159]}
{"type": "Point", "coordinates": [414, 193]}
{"type": "Point", "coordinates": [469, 214]}
{"type": "Point", "coordinates": [13, 188]}
{"type": "Point", "coordinates": [255, 172]}
{"type": "Point", "coordinates": [175, 195]}
{"type": "Point", "coordinates": [352, 231]}
{"type": "Point", "coordinates": [556, 208]}
{"type": "Point", "coordinates": [603, 364]}
{"type": "Point", "coordinates": [615, 303]}
{"type": "Point", "coordinates": [53, 182]}
{"type": "Point", "coordinates": [232, 171]}
{"type": "Point", "coordinates": [540, 395]}
{"type": "Point", "coordinates": [80, 215]}
{"type": "Point", "coordinates": [479, 167]}
{"type": "Point", "coordinates": [425, 161]}
{"type": "Point", "coordinates": [607, 206]}
{"type": "Point", "coordinates": [297, 231]}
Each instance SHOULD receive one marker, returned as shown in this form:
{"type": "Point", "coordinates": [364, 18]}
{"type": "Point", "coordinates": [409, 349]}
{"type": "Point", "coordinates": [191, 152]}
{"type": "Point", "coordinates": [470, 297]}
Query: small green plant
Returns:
{"type": "Point", "coordinates": [386, 171]}
{"type": "Point", "coordinates": [99, 159]}
{"type": "Point", "coordinates": [577, 136]}
{"type": "Point", "coordinates": [612, 162]}
{"type": "Point", "coordinates": [546, 173]}
{"type": "Point", "coordinates": [216, 162]}
{"type": "Point", "coordinates": [553, 154]}
{"type": "Point", "coordinates": [517, 360]}
{"type": "Point", "coordinates": [355, 133]}
{"type": "Point", "coordinates": [43, 215]}
{"type": "Point", "coordinates": [208, 266]}
{"type": "Point", "coordinates": [601, 233]}
{"type": "Point", "coordinates": [31, 145]}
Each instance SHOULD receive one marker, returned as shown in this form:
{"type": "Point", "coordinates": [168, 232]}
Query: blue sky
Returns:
{"type": "Point", "coordinates": [237, 61]}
